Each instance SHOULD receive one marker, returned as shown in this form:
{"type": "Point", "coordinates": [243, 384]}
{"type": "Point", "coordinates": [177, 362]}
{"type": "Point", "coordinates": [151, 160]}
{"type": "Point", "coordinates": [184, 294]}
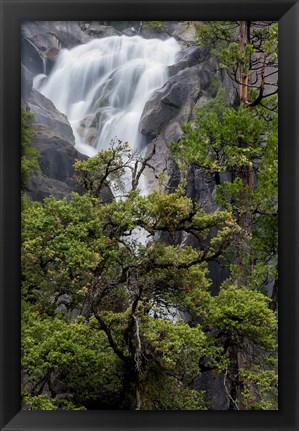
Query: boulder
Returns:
{"type": "Point", "coordinates": [41, 187]}
{"type": "Point", "coordinates": [175, 99]}
{"type": "Point", "coordinates": [100, 31]}
{"type": "Point", "coordinates": [47, 115]}
{"type": "Point", "coordinates": [57, 174]}
{"type": "Point", "coordinates": [155, 115]}
{"type": "Point", "coordinates": [201, 102]}
{"type": "Point", "coordinates": [185, 32]}
{"type": "Point", "coordinates": [58, 34]}
{"type": "Point", "coordinates": [187, 58]}
{"type": "Point", "coordinates": [41, 42]}
{"type": "Point", "coordinates": [56, 156]}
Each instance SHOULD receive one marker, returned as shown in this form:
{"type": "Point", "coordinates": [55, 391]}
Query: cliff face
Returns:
{"type": "Point", "coordinates": [186, 89]}
{"type": "Point", "coordinates": [54, 137]}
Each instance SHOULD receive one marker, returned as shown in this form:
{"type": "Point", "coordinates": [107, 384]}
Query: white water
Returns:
{"type": "Point", "coordinates": [102, 87]}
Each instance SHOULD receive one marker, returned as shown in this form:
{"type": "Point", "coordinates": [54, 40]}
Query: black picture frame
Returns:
{"type": "Point", "coordinates": [13, 12]}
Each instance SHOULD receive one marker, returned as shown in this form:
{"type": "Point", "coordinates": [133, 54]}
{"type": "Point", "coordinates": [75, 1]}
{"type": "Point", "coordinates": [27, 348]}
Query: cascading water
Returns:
{"type": "Point", "coordinates": [102, 87]}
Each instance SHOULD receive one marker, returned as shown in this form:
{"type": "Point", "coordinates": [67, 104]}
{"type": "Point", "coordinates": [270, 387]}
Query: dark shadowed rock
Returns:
{"type": "Point", "coordinates": [152, 34]}
{"type": "Point", "coordinates": [59, 34]}
{"type": "Point", "coordinates": [129, 32]}
{"type": "Point", "coordinates": [41, 42]}
{"type": "Point", "coordinates": [57, 175]}
{"type": "Point", "coordinates": [31, 57]}
{"type": "Point", "coordinates": [177, 96]}
{"type": "Point", "coordinates": [47, 115]}
{"type": "Point", "coordinates": [217, 273]}
{"type": "Point", "coordinates": [231, 90]}
{"type": "Point", "coordinates": [201, 187]}
{"type": "Point", "coordinates": [186, 58]}
{"type": "Point", "coordinates": [26, 82]}
{"type": "Point", "coordinates": [41, 187]}
{"type": "Point", "coordinates": [213, 384]}
{"type": "Point", "coordinates": [57, 155]}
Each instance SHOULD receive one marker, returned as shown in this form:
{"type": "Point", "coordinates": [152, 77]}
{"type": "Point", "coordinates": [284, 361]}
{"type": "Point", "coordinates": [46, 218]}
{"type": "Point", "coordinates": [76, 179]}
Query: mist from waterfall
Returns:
{"type": "Point", "coordinates": [103, 86]}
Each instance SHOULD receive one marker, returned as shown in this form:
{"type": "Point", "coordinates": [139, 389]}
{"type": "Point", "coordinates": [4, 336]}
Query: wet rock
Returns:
{"type": "Point", "coordinates": [26, 82]}
{"type": "Point", "coordinates": [47, 115]}
{"type": "Point", "coordinates": [31, 57]}
{"type": "Point", "coordinates": [175, 100]}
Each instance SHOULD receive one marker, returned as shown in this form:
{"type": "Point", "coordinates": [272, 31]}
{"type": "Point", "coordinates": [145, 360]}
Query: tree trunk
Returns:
{"type": "Point", "coordinates": [246, 174]}
{"type": "Point", "coordinates": [129, 385]}
{"type": "Point", "coordinates": [244, 29]}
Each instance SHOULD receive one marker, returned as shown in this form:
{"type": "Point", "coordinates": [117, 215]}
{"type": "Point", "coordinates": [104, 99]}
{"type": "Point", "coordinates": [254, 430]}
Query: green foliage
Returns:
{"type": "Point", "coordinates": [260, 390]}
{"type": "Point", "coordinates": [237, 148]}
{"type": "Point", "coordinates": [29, 155]}
{"type": "Point", "coordinates": [158, 26]}
{"type": "Point", "coordinates": [44, 402]}
{"type": "Point", "coordinates": [216, 142]}
{"type": "Point", "coordinates": [176, 346]}
{"type": "Point", "coordinates": [166, 393]}
{"type": "Point", "coordinates": [105, 167]}
{"type": "Point", "coordinates": [256, 57]}
{"type": "Point", "coordinates": [123, 269]}
{"type": "Point", "coordinates": [37, 402]}
{"type": "Point", "coordinates": [215, 34]}
{"type": "Point", "coordinates": [244, 313]}
{"type": "Point", "coordinates": [232, 57]}
{"type": "Point", "coordinates": [236, 140]}
{"type": "Point", "coordinates": [78, 248]}
{"type": "Point", "coordinates": [73, 352]}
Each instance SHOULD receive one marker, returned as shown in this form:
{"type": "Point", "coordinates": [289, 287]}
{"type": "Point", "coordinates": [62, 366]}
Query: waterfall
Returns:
{"type": "Point", "coordinates": [102, 87]}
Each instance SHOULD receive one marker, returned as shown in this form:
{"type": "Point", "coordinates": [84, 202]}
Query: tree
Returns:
{"type": "Point", "coordinates": [241, 141]}
{"type": "Point", "coordinates": [128, 293]}
{"type": "Point", "coordinates": [30, 156]}
{"type": "Point", "coordinates": [248, 52]}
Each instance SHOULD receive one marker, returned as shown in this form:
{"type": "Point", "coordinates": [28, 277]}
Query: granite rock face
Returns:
{"type": "Point", "coordinates": [41, 42]}
{"type": "Point", "coordinates": [49, 117]}
{"type": "Point", "coordinates": [57, 156]}
{"type": "Point", "coordinates": [176, 99]}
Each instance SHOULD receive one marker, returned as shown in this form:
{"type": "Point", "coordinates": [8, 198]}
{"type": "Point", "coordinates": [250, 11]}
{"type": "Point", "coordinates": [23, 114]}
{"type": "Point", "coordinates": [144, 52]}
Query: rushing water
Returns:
{"type": "Point", "coordinates": [102, 87]}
